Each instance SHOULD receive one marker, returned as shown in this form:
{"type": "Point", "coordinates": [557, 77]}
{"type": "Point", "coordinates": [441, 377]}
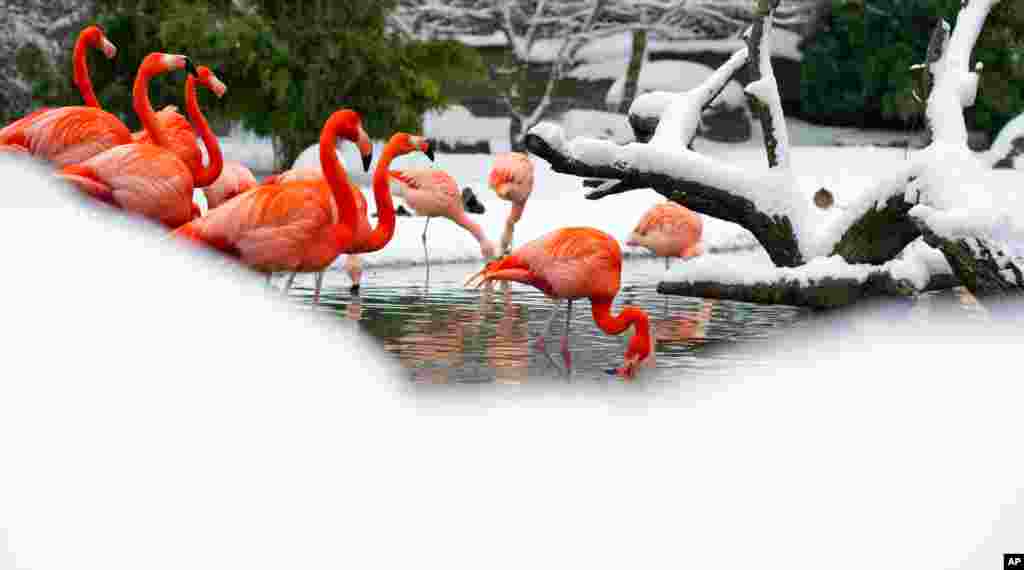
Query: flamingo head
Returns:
{"type": "Point", "coordinates": [158, 63]}
{"type": "Point", "coordinates": [207, 79]}
{"type": "Point", "coordinates": [640, 351]}
{"type": "Point", "coordinates": [404, 143]}
{"type": "Point", "coordinates": [348, 125]}
{"type": "Point", "coordinates": [98, 39]}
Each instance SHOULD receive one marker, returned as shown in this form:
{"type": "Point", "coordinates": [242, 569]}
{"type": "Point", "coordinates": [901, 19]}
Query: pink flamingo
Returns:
{"type": "Point", "coordinates": [234, 179]}
{"type": "Point", "coordinates": [67, 135]}
{"type": "Point", "coordinates": [147, 179]}
{"type": "Point", "coordinates": [511, 179]}
{"type": "Point", "coordinates": [431, 193]}
{"type": "Point", "coordinates": [573, 263]}
{"type": "Point", "coordinates": [669, 230]}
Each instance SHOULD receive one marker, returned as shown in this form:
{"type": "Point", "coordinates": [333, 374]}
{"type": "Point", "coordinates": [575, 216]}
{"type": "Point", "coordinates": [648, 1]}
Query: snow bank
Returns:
{"type": "Point", "coordinates": [457, 125]}
{"type": "Point", "coordinates": [676, 76]}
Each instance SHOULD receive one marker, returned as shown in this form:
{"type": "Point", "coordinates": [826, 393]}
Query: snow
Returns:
{"type": "Point", "coordinates": [457, 125]}
{"type": "Point", "coordinates": [917, 264]}
{"type": "Point", "coordinates": [619, 46]}
{"type": "Point", "coordinates": [557, 201]}
{"type": "Point", "coordinates": [1004, 143]}
{"type": "Point", "coordinates": [166, 410]}
{"type": "Point", "coordinates": [676, 76]}
{"type": "Point", "coordinates": [598, 124]}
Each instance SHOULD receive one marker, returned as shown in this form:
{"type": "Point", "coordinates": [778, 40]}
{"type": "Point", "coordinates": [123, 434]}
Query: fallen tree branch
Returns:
{"type": "Point", "coordinates": [827, 293]}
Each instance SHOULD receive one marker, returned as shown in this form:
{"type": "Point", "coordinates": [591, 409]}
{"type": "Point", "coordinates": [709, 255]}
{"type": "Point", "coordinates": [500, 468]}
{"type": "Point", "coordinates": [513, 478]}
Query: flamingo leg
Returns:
{"type": "Point", "coordinates": [566, 355]}
{"type": "Point", "coordinates": [666, 263]}
{"type": "Point", "coordinates": [426, 254]}
{"type": "Point", "coordinates": [288, 283]}
{"type": "Point", "coordinates": [319, 283]}
{"type": "Point", "coordinates": [539, 344]}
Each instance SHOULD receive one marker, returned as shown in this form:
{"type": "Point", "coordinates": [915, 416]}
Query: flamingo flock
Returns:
{"type": "Point", "coordinates": [303, 220]}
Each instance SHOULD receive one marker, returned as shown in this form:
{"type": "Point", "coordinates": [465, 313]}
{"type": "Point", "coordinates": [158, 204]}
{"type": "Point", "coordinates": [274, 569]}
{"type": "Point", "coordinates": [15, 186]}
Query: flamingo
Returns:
{"type": "Point", "coordinates": [67, 135]}
{"type": "Point", "coordinates": [511, 179]}
{"type": "Point", "coordinates": [431, 193]}
{"type": "Point", "coordinates": [353, 264]}
{"type": "Point", "coordinates": [573, 263]}
{"type": "Point", "coordinates": [304, 226]}
{"type": "Point", "coordinates": [669, 230]}
{"type": "Point", "coordinates": [147, 179]}
{"type": "Point", "coordinates": [234, 179]}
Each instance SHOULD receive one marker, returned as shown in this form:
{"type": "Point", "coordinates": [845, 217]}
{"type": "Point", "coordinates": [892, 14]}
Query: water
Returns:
{"type": "Point", "coordinates": [446, 333]}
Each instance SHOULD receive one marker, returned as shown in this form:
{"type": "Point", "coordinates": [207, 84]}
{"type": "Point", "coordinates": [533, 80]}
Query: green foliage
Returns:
{"type": "Point", "coordinates": [287, 64]}
{"type": "Point", "coordinates": [855, 69]}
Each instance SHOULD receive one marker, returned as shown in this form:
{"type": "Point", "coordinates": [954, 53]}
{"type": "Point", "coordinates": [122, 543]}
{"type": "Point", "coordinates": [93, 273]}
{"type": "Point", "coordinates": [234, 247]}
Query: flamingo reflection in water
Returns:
{"type": "Point", "coordinates": [508, 350]}
{"type": "Point", "coordinates": [432, 347]}
{"type": "Point", "coordinates": [689, 326]}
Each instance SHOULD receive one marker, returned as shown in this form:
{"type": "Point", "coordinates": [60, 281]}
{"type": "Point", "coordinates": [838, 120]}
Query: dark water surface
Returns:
{"type": "Point", "coordinates": [446, 333]}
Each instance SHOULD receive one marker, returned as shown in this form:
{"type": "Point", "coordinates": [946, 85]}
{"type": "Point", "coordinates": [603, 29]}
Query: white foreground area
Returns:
{"type": "Point", "coordinates": [157, 412]}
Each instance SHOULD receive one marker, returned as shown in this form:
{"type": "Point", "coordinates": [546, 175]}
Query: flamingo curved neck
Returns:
{"type": "Point", "coordinates": [463, 219]}
{"type": "Point", "coordinates": [81, 72]}
{"type": "Point", "coordinates": [205, 175]}
{"type": "Point", "coordinates": [385, 230]}
{"type": "Point", "coordinates": [611, 324]}
{"type": "Point", "coordinates": [338, 182]}
{"type": "Point", "coordinates": [144, 109]}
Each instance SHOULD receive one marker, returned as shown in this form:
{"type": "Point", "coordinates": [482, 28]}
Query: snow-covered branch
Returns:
{"type": "Point", "coordinates": [1009, 145]}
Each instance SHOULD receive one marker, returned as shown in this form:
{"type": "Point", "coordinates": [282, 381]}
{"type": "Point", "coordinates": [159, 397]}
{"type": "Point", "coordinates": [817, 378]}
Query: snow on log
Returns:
{"type": "Point", "coordinates": [822, 283]}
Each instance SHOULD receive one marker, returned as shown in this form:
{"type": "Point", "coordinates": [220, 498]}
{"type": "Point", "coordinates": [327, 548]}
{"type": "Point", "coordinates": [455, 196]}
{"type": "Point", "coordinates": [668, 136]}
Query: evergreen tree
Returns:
{"type": "Point", "coordinates": [288, 64]}
{"type": "Point", "coordinates": [856, 65]}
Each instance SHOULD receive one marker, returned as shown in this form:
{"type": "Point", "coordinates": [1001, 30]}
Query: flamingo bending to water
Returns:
{"type": "Point", "coordinates": [147, 179]}
{"type": "Point", "coordinates": [511, 179]}
{"type": "Point", "coordinates": [573, 263]}
{"type": "Point", "coordinates": [431, 193]}
{"type": "Point", "coordinates": [669, 230]}
{"type": "Point", "coordinates": [67, 135]}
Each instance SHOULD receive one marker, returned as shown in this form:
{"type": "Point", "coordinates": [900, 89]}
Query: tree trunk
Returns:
{"type": "Point", "coordinates": [636, 63]}
{"type": "Point", "coordinates": [515, 134]}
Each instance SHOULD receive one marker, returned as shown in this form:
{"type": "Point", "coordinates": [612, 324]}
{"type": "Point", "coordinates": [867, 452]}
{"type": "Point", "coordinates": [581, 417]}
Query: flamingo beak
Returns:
{"type": "Point", "coordinates": [191, 68]}
{"type": "Point", "coordinates": [217, 86]}
{"type": "Point", "coordinates": [428, 150]}
{"type": "Point", "coordinates": [108, 47]}
{"type": "Point", "coordinates": [366, 149]}
{"type": "Point", "coordinates": [354, 289]}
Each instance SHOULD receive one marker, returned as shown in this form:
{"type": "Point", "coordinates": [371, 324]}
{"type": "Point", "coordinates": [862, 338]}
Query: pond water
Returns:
{"type": "Point", "coordinates": [446, 333]}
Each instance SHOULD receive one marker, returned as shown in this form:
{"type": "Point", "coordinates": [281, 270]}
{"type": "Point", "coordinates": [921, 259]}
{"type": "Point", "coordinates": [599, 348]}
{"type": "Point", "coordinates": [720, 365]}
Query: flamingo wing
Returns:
{"type": "Point", "coordinates": [67, 135]}
{"type": "Point", "coordinates": [270, 228]}
{"type": "Point", "coordinates": [429, 191]}
{"type": "Point", "coordinates": [316, 174]}
{"type": "Point", "coordinates": [180, 136]}
{"type": "Point", "coordinates": [569, 263]}
{"type": "Point", "coordinates": [143, 179]}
